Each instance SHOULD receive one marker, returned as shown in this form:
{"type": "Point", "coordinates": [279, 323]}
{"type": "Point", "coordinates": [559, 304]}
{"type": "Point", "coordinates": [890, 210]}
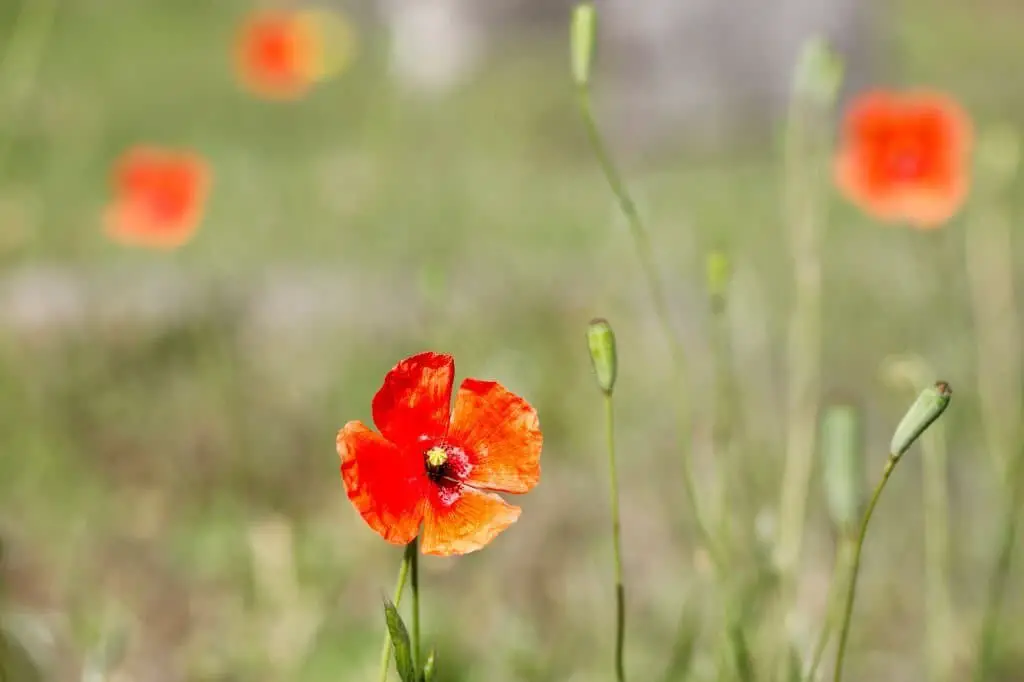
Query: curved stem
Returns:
{"type": "Point", "coordinates": [851, 589]}
{"type": "Point", "coordinates": [403, 575]}
{"type": "Point", "coordinates": [646, 254]}
{"type": "Point", "coordinates": [620, 590]}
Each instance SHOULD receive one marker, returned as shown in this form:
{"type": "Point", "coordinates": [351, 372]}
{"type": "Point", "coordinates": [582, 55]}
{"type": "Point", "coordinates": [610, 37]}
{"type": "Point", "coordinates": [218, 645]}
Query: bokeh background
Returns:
{"type": "Point", "coordinates": [169, 487]}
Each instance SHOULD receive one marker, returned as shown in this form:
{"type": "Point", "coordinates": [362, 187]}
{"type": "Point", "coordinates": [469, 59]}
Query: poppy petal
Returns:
{"type": "Point", "coordinates": [414, 403]}
{"type": "Point", "coordinates": [932, 207]}
{"type": "Point", "coordinates": [462, 520]}
{"type": "Point", "coordinates": [276, 54]}
{"type": "Point", "coordinates": [500, 434]}
{"type": "Point", "coordinates": [159, 197]}
{"type": "Point", "coordinates": [386, 485]}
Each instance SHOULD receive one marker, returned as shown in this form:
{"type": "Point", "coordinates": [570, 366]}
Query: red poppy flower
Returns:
{"type": "Point", "coordinates": [439, 466]}
{"type": "Point", "coordinates": [904, 157]}
{"type": "Point", "coordinates": [278, 54]}
{"type": "Point", "coordinates": [159, 197]}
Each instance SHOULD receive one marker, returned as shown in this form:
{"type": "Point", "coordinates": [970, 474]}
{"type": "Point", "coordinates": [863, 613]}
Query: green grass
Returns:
{"type": "Point", "coordinates": [133, 463]}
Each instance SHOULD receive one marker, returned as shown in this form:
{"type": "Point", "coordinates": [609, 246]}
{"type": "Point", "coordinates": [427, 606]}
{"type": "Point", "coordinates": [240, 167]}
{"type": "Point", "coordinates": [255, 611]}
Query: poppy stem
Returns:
{"type": "Point", "coordinates": [412, 550]}
{"type": "Point", "coordinates": [403, 575]}
{"type": "Point", "coordinates": [620, 590]}
{"type": "Point", "coordinates": [858, 547]}
{"type": "Point", "coordinates": [642, 243]}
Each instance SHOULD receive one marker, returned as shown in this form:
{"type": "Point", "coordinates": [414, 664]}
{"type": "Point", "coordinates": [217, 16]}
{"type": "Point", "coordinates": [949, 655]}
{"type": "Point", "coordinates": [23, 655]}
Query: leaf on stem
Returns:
{"type": "Point", "coordinates": [400, 642]}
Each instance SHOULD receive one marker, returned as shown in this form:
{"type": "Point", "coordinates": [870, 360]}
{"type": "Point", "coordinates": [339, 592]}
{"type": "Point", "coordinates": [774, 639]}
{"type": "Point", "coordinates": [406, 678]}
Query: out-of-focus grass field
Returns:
{"type": "Point", "coordinates": [152, 475]}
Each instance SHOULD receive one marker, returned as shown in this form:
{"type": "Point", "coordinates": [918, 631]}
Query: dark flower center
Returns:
{"type": "Point", "coordinates": [446, 464]}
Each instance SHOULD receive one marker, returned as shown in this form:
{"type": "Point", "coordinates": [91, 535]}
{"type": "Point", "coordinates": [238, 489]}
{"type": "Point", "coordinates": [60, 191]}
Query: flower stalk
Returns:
{"type": "Point", "coordinates": [403, 576]}
{"type": "Point", "coordinates": [604, 359]}
{"type": "Point", "coordinates": [928, 407]}
{"type": "Point", "coordinates": [583, 34]}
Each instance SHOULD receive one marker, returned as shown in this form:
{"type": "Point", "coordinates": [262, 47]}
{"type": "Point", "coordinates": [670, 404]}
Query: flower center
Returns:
{"type": "Point", "coordinates": [436, 457]}
{"type": "Point", "coordinates": [446, 463]}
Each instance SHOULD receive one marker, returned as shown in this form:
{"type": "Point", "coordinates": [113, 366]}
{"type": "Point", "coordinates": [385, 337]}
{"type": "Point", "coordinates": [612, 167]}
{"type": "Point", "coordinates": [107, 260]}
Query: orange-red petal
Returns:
{"type": "Point", "coordinates": [159, 197]}
{"type": "Point", "coordinates": [277, 54]}
{"type": "Point", "coordinates": [413, 405]}
{"type": "Point", "coordinates": [500, 433]}
{"type": "Point", "coordinates": [904, 156]}
{"type": "Point", "coordinates": [387, 485]}
{"type": "Point", "coordinates": [463, 520]}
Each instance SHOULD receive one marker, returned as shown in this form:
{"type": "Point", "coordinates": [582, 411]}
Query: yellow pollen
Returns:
{"type": "Point", "coordinates": [436, 457]}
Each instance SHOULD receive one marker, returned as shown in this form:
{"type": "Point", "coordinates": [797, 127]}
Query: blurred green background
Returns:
{"type": "Point", "coordinates": [167, 466]}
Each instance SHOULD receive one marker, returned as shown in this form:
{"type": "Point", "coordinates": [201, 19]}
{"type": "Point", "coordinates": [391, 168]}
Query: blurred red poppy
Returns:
{"type": "Point", "coordinates": [439, 466]}
{"type": "Point", "coordinates": [159, 197]}
{"type": "Point", "coordinates": [905, 156]}
{"type": "Point", "coordinates": [278, 54]}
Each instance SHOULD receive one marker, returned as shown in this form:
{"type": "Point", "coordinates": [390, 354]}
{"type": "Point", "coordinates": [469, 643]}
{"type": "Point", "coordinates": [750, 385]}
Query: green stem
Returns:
{"type": "Point", "coordinates": [851, 589]}
{"type": "Point", "coordinates": [413, 551]}
{"type": "Point", "coordinates": [1001, 573]}
{"type": "Point", "coordinates": [838, 573]}
{"type": "Point", "coordinates": [403, 574]}
{"type": "Point", "coordinates": [646, 254]}
{"type": "Point", "coordinates": [620, 590]}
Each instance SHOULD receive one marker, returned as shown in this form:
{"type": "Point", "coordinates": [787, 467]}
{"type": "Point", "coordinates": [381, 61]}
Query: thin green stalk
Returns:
{"type": "Point", "coordinates": [620, 590]}
{"type": "Point", "coordinates": [839, 574]}
{"type": "Point", "coordinates": [413, 550]}
{"type": "Point", "coordinates": [851, 590]}
{"type": "Point", "coordinates": [646, 254]}
{"type": "Point", "coordinates": [1000, 573]}
{"type": "Point", "coordinates": [403, 574]}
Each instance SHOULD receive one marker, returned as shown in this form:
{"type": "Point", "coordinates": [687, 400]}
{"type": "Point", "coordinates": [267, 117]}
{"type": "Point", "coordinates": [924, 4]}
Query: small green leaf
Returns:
{"type": "Point", "coordinates": [428, 668]}
{"type": "Point", "coordinates": [400, 642]}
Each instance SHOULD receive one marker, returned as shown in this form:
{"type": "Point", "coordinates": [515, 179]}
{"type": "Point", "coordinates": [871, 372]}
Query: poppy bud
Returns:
{"type": "Point", "coordinates": [601, 342]}
{"type": "Point", "coordinates": [930, 404]}
{"type": "Point", "coordinates": [583, 30]}
{"type": "Point", "coordinates": [841, 465]}
{"type": "Point", "coordinates": [717, 274]}
{"type": "Point", "coordinates": [819, 72]}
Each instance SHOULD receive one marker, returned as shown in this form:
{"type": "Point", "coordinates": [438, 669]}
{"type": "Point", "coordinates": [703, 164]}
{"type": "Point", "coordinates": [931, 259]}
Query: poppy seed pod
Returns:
{"type": "Point", "coordinates": [928, 407]}
{"type": "Point", "coordinates": [601, 342]}
{"type": "Point", "coordinates": [842, 465]}
{"type": "Point", "coordinates": [582, 33]}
